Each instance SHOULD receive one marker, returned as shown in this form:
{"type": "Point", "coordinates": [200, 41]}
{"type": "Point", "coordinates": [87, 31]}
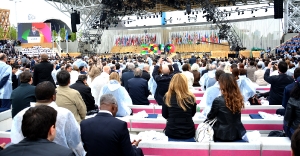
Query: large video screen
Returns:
{"type": "Point", "coordinates": [34, 32]}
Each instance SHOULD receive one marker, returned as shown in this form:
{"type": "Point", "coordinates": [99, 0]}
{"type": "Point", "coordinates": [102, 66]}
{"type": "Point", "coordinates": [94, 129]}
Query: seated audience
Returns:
{"type": "Point", "coordinates": [99, 82]}
{"type": "Point", "coordinates": [259, 76]}
{"type": "Point", "coordinates": [82, 70]}
{"type": "Point", "coordinates": [23, 95]}
{"type": "Point", "coordinates": [138, 88]}
{"type": "Point", "coordinates": [196, 74]}
{"type": "Point", "coordinates": [246, 86]}
{"type": "Point", "coordinates": [210, 94]}
{"type": "Point", "coordinates": [39, 130]}
{"type": "Point", "coordinates": [190, 77]}
{"type": "Point", "coordinates": [119, 92]}
{"type": "Point", "coordinates": [85, 92]}
{"type": "Point", "coordinates": [278, 83]}
{"type": "Point", "coordinates": [179, 109]}
{"type": "Point", "coordinates": [227, 110]}
{"type": "Point", "coordinates": [292, 112]}
{"type": "Point", "coordinates": [163, 80]}
{"type": "Point", "coordinates": [106, 135]}
{"type": "Point", "coordinates": [69, 98]}
{"type": "Point", "coordinates": [67, 129]}
{"type": "Point", "coordinates": [295, 143]}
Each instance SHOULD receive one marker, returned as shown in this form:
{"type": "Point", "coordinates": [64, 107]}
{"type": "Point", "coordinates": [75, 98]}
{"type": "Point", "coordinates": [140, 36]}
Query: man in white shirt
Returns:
{"type": "Point", "coordinates": [67, 128]}
{"type": "Point", "coordinates": [99, 82]}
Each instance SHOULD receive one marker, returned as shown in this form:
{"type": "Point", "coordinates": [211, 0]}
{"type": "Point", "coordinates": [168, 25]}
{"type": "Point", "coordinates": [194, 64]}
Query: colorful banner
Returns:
{"type": "Point", "coordinates": [34, 32]}
{"type": "Point", "coordinates": [135, 39]}
{"type": "Point", "coordinates": [194, 37]}
{"type": "Point", "coordinates": [157, 48]}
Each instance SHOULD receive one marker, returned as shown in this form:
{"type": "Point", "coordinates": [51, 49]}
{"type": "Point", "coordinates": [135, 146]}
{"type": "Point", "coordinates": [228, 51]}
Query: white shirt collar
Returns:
{"type": "Point", "coordinates": [105, 111]}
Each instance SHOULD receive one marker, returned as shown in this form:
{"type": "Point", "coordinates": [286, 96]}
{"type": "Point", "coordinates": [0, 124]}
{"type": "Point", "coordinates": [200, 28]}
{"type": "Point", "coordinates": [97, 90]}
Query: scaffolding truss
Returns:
{"type": "Point", "coordinates": [291, 16]}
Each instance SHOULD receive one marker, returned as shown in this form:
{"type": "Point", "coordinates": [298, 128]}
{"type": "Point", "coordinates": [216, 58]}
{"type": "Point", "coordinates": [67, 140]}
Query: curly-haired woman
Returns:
{"type": "Point", "coordinates": [227, 109]}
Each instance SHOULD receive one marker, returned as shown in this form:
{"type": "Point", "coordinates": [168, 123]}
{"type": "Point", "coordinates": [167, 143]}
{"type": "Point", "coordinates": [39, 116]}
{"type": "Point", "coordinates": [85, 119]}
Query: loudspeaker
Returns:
{"type": "Point", "coordinates": [278, 9]}
{"type": "Point", "coordinates": [77, 17]}
{"type": "Point", "coordinates": [73, 22]}
{"type": "Point", "coordinates": [188, 8]}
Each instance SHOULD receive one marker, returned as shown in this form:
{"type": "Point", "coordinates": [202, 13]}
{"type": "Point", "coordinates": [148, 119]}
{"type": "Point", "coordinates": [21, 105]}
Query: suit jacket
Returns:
{"type": "Point", "coordinates": [278, 83]}
{"type": "Point", "coordinates": [228, 126]}
{"type": "Point", "coordinates": [85, 93]}
{"type": "Point", "coordinates": [106, 135]}
{"type": "Point", "coordinates": [21, 98]}
{"type": "Point", "coordinates": [42, 72]}
{"type": "Point", "coordinates": [39, 147]}
{"type": "Point", "coordinates": [138, 91]}
{"type": "Point", "coordinates": [125, 77]}
{"type": "Point", "coordinates": [259, 77]}
{"type": "Point", "coordinates": [162, 82]}
{"type": "Point", "coordinates": [146, 75]}
{"type": "Point", "coordinates": [250, 73]}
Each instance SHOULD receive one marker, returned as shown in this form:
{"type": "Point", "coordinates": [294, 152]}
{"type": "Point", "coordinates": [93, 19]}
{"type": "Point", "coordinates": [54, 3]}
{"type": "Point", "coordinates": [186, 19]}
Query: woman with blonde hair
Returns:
{"type": "Point", "coordinates": [227, 110]}
{"type": "Point", "coordinates": [179, 109]}
{"type": "Point", "coordinates": [119, 92]}
{"type": "Point", "coordinates": [93, 73]}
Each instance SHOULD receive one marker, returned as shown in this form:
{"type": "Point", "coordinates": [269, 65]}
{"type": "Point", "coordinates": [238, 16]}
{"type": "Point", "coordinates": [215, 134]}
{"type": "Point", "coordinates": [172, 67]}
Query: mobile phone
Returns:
{"type": "Point", "coordinates": [274, 63]}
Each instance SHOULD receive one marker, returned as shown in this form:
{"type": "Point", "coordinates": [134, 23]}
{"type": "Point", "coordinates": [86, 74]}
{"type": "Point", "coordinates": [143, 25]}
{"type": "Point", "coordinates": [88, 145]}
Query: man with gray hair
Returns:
{"type": "Point", "coordinates": [208, 79]}
{"type": "Point", "coordinates": [146, 74]}
{"type": "Point", "coordinates": [128, 75]}
{"type": "Point", "coordinates": [43, 71]}
{"type": "Point", "coordinates": [113, 132]}
{"type": "Point", "coordinates": [138, 88]}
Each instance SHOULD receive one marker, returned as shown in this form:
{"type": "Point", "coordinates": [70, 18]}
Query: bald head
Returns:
{"type": "Point", "coordinates": [138, 72]}
{"type": "Point", "coordinates": [165, 69]}
{"type": "Point", "coordinates": [44, 57]}
{"type": "Point", "coordinates": [3, 57]}
{"type": "Point", "coordinates": [146, 67]}
{"type": "Point", "coordinates": [106, 69]}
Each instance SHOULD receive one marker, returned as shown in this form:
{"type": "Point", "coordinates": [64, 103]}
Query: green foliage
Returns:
{"type": "Point", "coordinates": [73, 37]}
{"type": "Point", "coordinates": [54, 33]}
{"type": "Point", "coordinates": [13, 33]}
{"type": "Point", "coordinates": [1, 33]}
{"type": "Point", "coordinates": [63, 34]}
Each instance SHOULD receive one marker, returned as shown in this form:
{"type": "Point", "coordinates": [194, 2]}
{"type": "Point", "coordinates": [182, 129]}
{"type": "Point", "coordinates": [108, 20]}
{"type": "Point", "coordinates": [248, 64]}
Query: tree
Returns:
{"type": "Point", "coordinates": [1, 33]}
{"type": "Point", "coordinates": [63, 34]}
{"type": "Point", "coordinates": [73, 37]}
{"type": "Point", "coordinates": [13, 33]}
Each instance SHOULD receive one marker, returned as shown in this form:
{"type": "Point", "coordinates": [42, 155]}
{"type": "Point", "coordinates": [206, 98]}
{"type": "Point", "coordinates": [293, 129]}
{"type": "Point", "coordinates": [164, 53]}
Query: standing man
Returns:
{"type": "Point", "coordinates": [128, 75]}
{"type": "Point", "coordinates": [69, 98]}
{"type": "Point", "coordinates": [146, 74]}
{"type": "Point", "coordinates": [23, 95]}
{"type": "Point", "coordinates": [5, 83]}
{"type": "Point", "coordinates": [106, 135]}
{"type": "Point", "coordinates": [138, 89]}
{"type": "Point", "coordinates": [43, 71]}
{"type": "Point", "coordinates": [33, 61]}
{"type": "Point", "coordinates": [163, 81]}
{"type": "Point", "coordinates": [278, 83]}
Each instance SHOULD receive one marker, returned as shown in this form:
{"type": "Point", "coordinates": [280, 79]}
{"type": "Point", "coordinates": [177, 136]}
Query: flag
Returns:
{"type": "Point", "coordinates": [67, 36]}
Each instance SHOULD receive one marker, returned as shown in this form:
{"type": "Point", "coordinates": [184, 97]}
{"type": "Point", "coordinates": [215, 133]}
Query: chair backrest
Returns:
{"type": "Point", "coordinates": [279, 146]}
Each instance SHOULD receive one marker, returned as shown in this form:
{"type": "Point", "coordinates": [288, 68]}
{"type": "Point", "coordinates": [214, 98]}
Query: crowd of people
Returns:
{"type": "Point", "coordinates": [75, 89]}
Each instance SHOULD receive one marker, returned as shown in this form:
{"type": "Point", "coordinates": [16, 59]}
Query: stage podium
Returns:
{"type": "Point", "coordinates": [34, 39]}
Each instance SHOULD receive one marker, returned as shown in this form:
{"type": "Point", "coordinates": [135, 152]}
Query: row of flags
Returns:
{"type": "Point", "coordinates": [135, 39]}
{"type": "Point", "coordinates": [193, 37]}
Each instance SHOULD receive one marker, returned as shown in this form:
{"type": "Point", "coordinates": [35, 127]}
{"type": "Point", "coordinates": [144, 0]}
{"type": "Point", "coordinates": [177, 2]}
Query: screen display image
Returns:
{"type": "Point", "coordinates": [34, 32]}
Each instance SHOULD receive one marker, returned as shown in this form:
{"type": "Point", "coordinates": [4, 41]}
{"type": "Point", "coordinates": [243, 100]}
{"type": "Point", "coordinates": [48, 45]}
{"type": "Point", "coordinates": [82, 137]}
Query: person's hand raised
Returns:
{"type": "Point", "coordinates": [2, 145]}
{"type": "Point", "coordinates": [136, 143]}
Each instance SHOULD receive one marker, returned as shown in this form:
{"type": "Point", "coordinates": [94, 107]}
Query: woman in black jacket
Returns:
{"type": "Point", "coordinates": [227, 109]}
{"type": "Point", "coordinates": [292, 112]}
{"type": "Point", "coordinates": [179, 109]}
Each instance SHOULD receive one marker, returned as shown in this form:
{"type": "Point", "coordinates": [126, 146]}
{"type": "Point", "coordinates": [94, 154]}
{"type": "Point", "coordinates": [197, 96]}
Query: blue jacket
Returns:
{"type": "Point", "coordinates": [287, 93]}
{"type": "Point", "coordinates": [5, 80]}
{"type": "Point", "coordinates": [125, 77]}
{"type": "Point", "coordinates": [138, 91]}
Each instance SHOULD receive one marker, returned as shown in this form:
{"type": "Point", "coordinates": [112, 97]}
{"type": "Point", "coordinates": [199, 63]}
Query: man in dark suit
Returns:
{"type": "Point", "coordinates": [192, 60]}
{"type": "Point", "coordinates": [278, 83]}
{"type": "Point", "coordinates": [23, 95]}
{"type": "Point", "coordinates": [34, 32]}
{"type": "Point", "coordinates": [138, 89]}
{"type": "Point", "coordinates": [85, 92]}
{"type": "Point", "coordinates": [127, 75]}
{"type": "Point", "coordinates": [106, 135]}
{"type": "Point", "coordinates": [38, 128]}
{"type": "Point", "coordinates": [146, 74]}
{"type": "Point", "coordinates": [43, 70]}
{"type": "Point", "coordinates": [164, 80]}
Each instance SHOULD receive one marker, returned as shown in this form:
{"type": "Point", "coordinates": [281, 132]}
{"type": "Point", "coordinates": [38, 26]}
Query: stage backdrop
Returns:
{"type": "Point", "coordinates": [34, 32]}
